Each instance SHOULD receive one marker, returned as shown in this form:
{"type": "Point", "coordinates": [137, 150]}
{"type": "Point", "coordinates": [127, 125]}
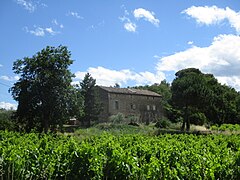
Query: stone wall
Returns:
{"type": "Point", "coordinates": [145, 108]}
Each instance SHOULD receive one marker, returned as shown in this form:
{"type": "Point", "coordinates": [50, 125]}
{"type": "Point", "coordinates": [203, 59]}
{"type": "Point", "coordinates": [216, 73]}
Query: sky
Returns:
{"type": "Point", "coordinates": [126, 42]}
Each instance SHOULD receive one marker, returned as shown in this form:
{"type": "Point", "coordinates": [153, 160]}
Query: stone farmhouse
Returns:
{"type": "Point", "coordinates": [144, 105]}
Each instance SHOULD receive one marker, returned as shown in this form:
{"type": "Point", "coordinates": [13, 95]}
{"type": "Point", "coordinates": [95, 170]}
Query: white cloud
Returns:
{"type": "Point", "coordinates": [233, 81]}
{"type": "Point", "coordinates": [8, 78]}
{"type": "Point", "coordinates": [108, 77]}
{"type": "Point", "coordinates": [128, 24]}
{"type": "Point", "coordinates": [96, 26]}
{"type": "Point", "coordinates": [1, 65]}
{"type": "Point", "coordinates": [55, 22]}
{"type": "Point", "coordinates": [139, 13]}
{"type": "Point", "coordinates": [27, 4]}
{"type": "Point", "coordinates": [146, 15]}
{"type": "Point", "coordinates": [131, 27]}
{"type": "Point", "coordinates": [74, 14]}
{"type": "Point", "coordinates": [190, 43]}
{"type": "Point", "coordinates": [8, 106]}
{"type": "Point", "coordinates": [50, 31]}
{"type": "Point", "coordinates": [31, 5]}
{"type": "Point", "coordinates": [39, 31]}
{"type": "Point", "coordinates": [214, 15]}
{"type": "Point", "coordinates": [221, 58]}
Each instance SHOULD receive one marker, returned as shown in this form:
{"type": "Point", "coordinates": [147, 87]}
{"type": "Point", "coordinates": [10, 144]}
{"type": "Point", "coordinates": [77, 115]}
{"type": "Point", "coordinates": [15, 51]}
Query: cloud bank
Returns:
{"type": "Point", "coordinates": [8, 106]}
{"type": "Point", "coordinates": [221, 58]}
{"type": "Point", "coordinates": [214, 15]}
{"type": "Point", "coordinates": [108, 77]}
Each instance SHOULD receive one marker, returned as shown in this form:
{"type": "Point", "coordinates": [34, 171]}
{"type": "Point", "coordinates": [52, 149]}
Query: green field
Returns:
{"type": "Point", "coordinates": [123, 156]}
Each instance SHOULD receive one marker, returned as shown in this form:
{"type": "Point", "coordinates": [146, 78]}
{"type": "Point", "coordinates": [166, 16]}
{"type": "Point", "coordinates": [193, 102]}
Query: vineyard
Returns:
{"type": "Point", "coordinates": [107, 156]}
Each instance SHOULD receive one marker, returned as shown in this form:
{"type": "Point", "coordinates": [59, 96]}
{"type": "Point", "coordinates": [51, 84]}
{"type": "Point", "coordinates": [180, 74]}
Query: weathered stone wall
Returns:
{"type": "Point", "coordinates": [103, 98]}
{"type": "Point", "coordinates": [145, 108]}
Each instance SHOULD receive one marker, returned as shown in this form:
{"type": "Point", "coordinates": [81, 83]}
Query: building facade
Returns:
{"type": "Point", "coordinates": [144, 105]}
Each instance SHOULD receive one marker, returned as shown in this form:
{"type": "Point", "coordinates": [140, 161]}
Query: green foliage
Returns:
{"type": "Point", "coordinates": [197, 95]}
{"type": "Point", "coordinates": [37, 156]}
{"type": "Point", "coordinates": [44, 89]}
{"type": "Point", "coordinates": [163, 123]}
{"type": "Point", "coordinates": [92, 107]}
{"type": "Point", "coordinates": [189, 91]}
{"type": "Point", "coordinates": [198, 118]}
{"type": "Point", "coordinates": [6, 121]}
{"type": "Point", "coordinates": [226, 127]}
{"type": "Point", "coordinates": [114, 129]}
{"type": "Point", "coordinates": [117, 119]}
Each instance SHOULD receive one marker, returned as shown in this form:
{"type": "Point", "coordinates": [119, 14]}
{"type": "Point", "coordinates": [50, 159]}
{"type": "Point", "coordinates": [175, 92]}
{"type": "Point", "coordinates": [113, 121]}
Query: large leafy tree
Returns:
{"type": "Point", "coordinates": [189, 92]}
{"type": "Point", "coordinates": [44, 89]}
{"type": "Point", "coordinates": [92, 106]}
{"type": "Point", "coordinates": [225, 105]}
{"type": "Point", "coordinates": [196, 94]}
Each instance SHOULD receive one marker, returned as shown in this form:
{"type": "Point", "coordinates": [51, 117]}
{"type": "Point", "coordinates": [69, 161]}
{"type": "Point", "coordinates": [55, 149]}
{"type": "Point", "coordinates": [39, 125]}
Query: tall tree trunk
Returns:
{"type": "Point", "coordinates": [186, 121]}
{"type": "Point", "coordinates": [88, 122]}
{"type": "Point", "coordinates": [45, 121]}
{"type": "Point", "coordinates": [183, 124]}
{"type": "Point", "coordinates": [188, 124]}
{"type": "Point", "coordinates": [46, 125]}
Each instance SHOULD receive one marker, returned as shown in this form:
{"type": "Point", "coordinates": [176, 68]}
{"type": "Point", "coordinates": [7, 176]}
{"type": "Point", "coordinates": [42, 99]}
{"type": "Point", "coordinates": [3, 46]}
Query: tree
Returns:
{"type": "Point", "coordinates": [200, 98]}
{"type": "Point", "coordinates": [44, 89]}
{"type": "Point", "coordinates": [189, 92]}
{"type": "Point", "coordinates": [225, 105]}
{"type": "Point", "coordinates": [92, 107]}
{"type": "Point", "coordinates": [6, 121]}
{"type": "Point", "coordinates": [116, 85]}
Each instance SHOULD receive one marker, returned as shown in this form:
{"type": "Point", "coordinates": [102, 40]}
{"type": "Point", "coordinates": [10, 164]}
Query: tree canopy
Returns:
{"type": "Point", "coordinates": [47, 99]}
{"type": "Point", "coordinates": [199, 95]}
{"type": "Point", "coordinates": [44, 89]}
{"type": "Point", "coordinates": [92, 107]}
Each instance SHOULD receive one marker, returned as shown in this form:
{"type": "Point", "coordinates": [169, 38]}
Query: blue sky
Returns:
{"type": "Point", "coordinates": [125, 42]}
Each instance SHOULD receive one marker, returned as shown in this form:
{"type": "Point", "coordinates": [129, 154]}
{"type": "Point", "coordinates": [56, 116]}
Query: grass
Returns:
{"type": "Point", "coordinates": [142, 129]}
{"type": "Point", "coordinates": [114, 129]}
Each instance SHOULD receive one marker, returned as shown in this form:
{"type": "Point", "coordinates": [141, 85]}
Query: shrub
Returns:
{"type": "Point", "coordinates": [132, 119]}
{"type": "Point", "coordinates": [118, 118]}
{"type": "Point", "coordinates": [6, 121]}
{"type": "Point", "coordinates": [163, 123]}
{"type": "Point", "coordinates": [198, 118]}
{"type": "Point", "coordinates": [214, 127]}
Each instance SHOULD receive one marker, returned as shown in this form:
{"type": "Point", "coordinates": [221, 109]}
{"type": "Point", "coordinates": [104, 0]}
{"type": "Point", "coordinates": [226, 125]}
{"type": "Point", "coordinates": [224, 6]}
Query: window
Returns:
{"type": "Point", "coordinates": [133, 106]}
{"type": "Point", "coordinates": [116, 105]}
{"type": "Point", "coordinates": [148, 107]}
{"type": "Point", "coordinates": [154, 108]}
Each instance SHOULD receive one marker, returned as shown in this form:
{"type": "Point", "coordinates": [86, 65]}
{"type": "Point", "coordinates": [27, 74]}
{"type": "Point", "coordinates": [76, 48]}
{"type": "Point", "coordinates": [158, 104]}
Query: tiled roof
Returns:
{"type": "Point", "coordinates": [129, 91]}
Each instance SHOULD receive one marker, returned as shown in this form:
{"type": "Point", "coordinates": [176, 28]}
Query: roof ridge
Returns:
{"type": "Point", "coordinates": [130, 91]}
